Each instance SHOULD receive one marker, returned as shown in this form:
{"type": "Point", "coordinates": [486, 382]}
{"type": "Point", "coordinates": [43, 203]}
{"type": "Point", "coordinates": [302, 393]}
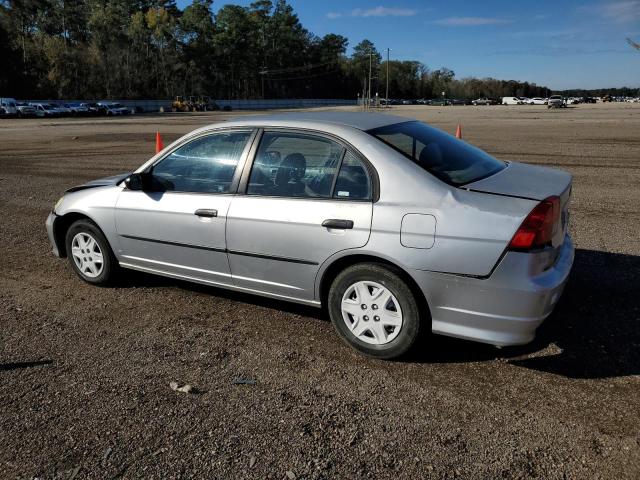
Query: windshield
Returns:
{"type": "Point", "coordinates": [452, 161]}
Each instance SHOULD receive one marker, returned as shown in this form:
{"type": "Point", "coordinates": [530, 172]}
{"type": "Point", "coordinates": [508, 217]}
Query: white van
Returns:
{"type": "Point", "coordinates": [45, 110]}
{"type": "Point", "coordinates": [511, 101]}
{"type": "Point", "coordinates": [8, 106]}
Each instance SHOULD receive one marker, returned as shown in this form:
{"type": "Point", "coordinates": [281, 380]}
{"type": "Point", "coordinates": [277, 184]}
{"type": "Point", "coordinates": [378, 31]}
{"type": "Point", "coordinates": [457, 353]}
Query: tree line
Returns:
{"type": "Point", "coordinates": [130, 49]}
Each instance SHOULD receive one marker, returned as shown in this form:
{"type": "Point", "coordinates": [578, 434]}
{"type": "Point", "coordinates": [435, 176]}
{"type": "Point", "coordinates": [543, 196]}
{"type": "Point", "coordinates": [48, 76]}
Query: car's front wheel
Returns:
{"type": "Point", "coordinates": [89, 253]}
{"type": "Point", "coordinates": [374, 310]}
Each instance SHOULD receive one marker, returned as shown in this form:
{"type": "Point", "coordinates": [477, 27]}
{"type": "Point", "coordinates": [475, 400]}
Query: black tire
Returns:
{"type": "Point", "coordinates": [107, 275]}
{"type": "Point", "coordinates": [392, 281]}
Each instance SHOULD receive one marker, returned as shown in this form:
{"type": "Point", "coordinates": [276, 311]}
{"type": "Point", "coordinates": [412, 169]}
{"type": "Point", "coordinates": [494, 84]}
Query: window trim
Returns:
{"type": "Point", "coordinates": [346, 146]}
{"type": "Point", "coordinates": [242, 160]}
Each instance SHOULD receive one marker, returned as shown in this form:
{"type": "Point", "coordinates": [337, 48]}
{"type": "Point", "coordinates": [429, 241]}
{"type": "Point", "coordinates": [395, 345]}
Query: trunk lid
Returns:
{"type": "Point", "coordinates": [526, 181]}
{"type": "Point", "coordinates": [533, 182]}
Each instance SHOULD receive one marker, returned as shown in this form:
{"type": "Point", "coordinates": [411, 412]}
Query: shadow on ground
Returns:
{"type": "Point", "coordinates": [593, 333]}
{"type": "Point", "coordinates": [21, 365]}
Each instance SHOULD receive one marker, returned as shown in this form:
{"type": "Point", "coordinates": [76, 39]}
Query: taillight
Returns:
{"type": "Point", "coordinates": [537, 229]}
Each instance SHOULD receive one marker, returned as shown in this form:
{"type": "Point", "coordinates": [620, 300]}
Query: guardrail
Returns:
{"type": "Point", "coordinates": [266, 104]}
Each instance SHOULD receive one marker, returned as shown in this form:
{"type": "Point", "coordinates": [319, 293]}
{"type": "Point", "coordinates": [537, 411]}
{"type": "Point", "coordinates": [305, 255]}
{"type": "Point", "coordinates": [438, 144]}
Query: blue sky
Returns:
{"type": "Point", "coordinates": [562, 44]}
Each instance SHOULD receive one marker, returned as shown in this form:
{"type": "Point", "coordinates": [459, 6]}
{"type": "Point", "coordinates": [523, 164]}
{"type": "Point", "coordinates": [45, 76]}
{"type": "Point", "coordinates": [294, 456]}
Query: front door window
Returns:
{"type": "Point", "coordinates": [204, 165]}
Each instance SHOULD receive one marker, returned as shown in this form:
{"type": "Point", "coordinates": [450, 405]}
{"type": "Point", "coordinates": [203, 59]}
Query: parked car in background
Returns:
{"type": "Point", "coordinates": [45, 110]}
{"type": "Point", "coordinates": [441, 102]}
{"type": "Point", "coordinates": [93, 108]}
{"type": "Point", "coordinates": [25, 110]}
{"type": "Point", "coordinates": [537, 101]}
{"type": "Point", "coordinates": [395, 226]}
{"type": "Point", "coordinates": [111, 108]}
{"type": "Point", "coordinates": [8, 106]}
{"type": "Point", "coordinates": [556, 101]}
{"type": "Point", "coordinates": [525, 100]}
{"type": "Point", "coordinates": [511, 101]}
{"type": "Point", "coordinates": [77, 108]}
{"type": "Point", "coordinates": [483, 101]}
{"type": "Point", "coordinates": [61, 109]}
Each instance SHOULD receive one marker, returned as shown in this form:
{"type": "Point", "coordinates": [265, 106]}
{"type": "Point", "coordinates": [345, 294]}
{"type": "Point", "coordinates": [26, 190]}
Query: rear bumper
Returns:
{"type": "Point", "coordinates": [51, 220]}
{"type": "Point", "coordinates": [504, 309]}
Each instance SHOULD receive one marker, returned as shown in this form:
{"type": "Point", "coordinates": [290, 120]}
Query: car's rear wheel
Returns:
{"type": "Point", "coordinates": [89, 253]}
{"type": "Point", "coordinates": [374, 310]}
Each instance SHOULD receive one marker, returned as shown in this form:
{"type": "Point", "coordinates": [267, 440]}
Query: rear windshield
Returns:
{"type": "Point", "coordinates": [451, 160]}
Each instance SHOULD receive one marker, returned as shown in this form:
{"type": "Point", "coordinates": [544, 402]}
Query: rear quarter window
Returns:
{"type": "Point", "coordinates": [444, 156]}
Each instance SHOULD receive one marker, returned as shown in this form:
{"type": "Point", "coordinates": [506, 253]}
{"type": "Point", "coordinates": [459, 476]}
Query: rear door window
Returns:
{"type": "Point", "coordinates": [354, 181]}
{"type": "Point", "coordinates": [290, 164]}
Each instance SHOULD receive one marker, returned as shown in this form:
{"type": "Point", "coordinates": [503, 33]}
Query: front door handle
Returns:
{"type": "Point", "coordinates": [206, 212]}
{"type": "Point", "coordinates": [338, 223]}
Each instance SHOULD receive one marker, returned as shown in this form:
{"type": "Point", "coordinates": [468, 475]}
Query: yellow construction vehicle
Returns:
{"type": "Point", "coordinates": [180, 104]}
{"type": "Point", "coordinates": [194, 103]}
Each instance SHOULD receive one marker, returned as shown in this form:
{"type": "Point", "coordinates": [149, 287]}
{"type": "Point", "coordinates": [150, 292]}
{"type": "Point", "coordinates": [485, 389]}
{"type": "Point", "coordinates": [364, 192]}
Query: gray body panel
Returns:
{"type": "Point", "coordinates": [451, 241]}
{"type": "Point", "coordinates": [275, 229]}
{"type": "Point", "coordinates": [160, 231]}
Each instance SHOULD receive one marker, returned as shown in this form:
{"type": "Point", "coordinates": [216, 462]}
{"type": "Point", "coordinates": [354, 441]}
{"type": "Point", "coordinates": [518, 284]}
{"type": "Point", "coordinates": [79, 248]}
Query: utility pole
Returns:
{"type": "Point", "coordinates": [386, 95]}
{"type": "Point", "coordinates": [369, 94]}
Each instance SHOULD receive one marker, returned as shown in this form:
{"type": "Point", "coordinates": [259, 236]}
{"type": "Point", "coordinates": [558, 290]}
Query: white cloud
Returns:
{"type": "Point", "coordinates": [469, 21]}
{"type": "Point", "coordinates": [377, 12]}
{"type": "Point", "coordinates": [565, 34]}
{"type": "Point", "coordinates": [628, 11]}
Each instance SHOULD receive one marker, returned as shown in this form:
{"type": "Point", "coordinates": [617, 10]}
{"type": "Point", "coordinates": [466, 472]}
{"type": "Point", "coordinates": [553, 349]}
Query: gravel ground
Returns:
{"type": "Point", "coordinates": [85, 371]}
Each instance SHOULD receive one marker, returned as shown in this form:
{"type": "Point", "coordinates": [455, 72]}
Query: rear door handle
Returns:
{"type": "Point", "coordinates": [206, 212]}
{"type": "Point", "coordinates": [338, 223]}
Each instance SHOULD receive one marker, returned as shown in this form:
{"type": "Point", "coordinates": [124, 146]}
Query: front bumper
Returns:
{"type": "Point", "coordinates": [504, 309]}
{"type": "Point", "coordinates": [51, 219]}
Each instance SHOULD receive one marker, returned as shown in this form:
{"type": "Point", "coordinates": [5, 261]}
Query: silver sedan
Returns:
{"type": "Point", "coordinates": [396, 227]}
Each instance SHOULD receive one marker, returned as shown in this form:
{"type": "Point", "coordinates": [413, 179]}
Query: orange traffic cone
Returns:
{"type": "Point", "coordinates": [459, 131]}
{"type": "Point", "coordinates": [159, 145]}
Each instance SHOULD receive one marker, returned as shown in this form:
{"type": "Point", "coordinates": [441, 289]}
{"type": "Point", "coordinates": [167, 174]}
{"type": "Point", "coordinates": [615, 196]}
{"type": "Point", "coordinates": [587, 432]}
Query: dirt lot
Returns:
{"type": "Point", "coordinates": [85, 371]}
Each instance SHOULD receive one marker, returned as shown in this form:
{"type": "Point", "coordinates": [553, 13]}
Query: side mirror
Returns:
{"type": "Point", "coordinates": [135, 181]}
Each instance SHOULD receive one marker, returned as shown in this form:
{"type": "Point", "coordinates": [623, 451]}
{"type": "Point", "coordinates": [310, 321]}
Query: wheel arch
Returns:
{"type": "Point", "coordinates": [61, 226]}
{"type": "Point", "coordinates": [332, 270]}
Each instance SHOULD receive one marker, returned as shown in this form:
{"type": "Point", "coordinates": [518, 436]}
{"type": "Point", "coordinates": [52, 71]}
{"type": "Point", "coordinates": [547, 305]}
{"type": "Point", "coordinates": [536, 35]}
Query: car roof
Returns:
{"type": "Point", "coordinates": [358, 120]}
